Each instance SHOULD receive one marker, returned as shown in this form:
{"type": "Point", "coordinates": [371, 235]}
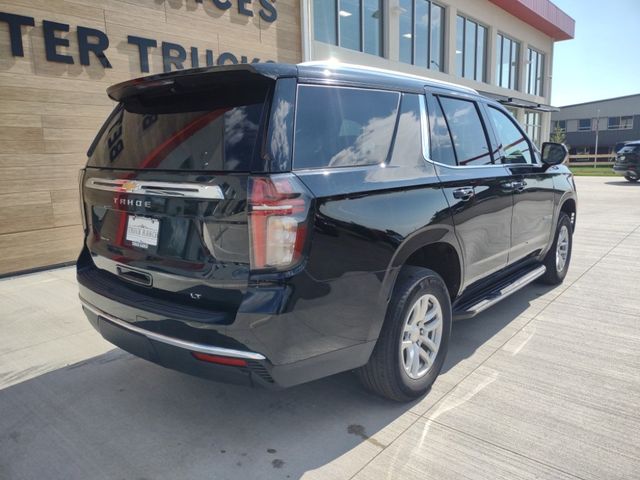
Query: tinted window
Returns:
{"type": "Point", "coordinates": [341, 127]}
{"type": "Point", "coordinates": [222, 139]}
{"type": "Point", "coordinates": [407, 147]}
{"type": "Point", "coordinates": [466, 129]}
{"type": "Point", "coordinates": [510, 137]}
{"type": "Point", "coordinates": [629, 149]}
{"type": "Point", "coordinates": [441, 143]}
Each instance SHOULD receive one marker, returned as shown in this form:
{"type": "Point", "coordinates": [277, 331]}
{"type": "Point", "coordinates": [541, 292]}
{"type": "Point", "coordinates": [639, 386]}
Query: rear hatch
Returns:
{"type": "Point", "coordinates": [165, 187]}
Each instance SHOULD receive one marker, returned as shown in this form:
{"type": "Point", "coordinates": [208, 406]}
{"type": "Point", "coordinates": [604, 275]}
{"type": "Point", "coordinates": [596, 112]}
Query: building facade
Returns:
{"type": "Point", "coordinates": [616, 120]}
{"type": "Point", "coordinates": [58, 57]}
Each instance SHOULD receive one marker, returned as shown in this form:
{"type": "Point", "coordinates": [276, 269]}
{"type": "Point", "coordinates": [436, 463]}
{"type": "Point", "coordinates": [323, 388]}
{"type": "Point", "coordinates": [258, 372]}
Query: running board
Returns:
{"type": "Point", "coordinates": [479, 304]}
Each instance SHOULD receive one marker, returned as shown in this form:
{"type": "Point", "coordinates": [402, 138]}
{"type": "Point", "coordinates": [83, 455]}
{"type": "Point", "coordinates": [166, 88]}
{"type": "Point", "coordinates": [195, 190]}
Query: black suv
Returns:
{"type": "Point", "coordinates": [272, 224]}
{"type": "Point", "coordinates": [628, 161]}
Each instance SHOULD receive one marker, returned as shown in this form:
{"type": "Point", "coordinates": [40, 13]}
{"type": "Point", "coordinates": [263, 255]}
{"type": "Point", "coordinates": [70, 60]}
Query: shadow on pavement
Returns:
{"type": "Point", "coordinates": [116, 416]}
{"type": "Point", "coordinates": [623, 182]}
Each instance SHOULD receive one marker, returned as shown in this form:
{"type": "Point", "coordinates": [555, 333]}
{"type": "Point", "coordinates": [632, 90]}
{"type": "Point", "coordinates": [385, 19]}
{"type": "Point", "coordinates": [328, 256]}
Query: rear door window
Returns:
{"type": "Point", "coordinates": [442, 150]}
{"type": "Point", "coordinates": [467, 131]}
{"type": "Point", "coordinates": [217, 139]}
{"type": "Point", "coordinates": [343, 127]}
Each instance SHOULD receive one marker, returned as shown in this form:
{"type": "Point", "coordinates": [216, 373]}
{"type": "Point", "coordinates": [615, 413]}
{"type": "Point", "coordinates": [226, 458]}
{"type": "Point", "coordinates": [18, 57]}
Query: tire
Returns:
{"type": "Point", "coordinates": [554, 274]}
{"type": "Point", "coordinates": [386, 374]}
{"type": "Point", "coordinates": [631, 179]}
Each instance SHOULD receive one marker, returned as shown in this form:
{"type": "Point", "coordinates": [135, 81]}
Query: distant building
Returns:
{"type": "Point", "coordinates": [616, 119]}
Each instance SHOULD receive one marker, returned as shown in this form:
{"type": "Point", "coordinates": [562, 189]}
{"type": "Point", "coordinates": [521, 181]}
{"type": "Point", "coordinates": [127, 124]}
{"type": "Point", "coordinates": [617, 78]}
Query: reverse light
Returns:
{"type": "Point", "coordinates": [278, 214]}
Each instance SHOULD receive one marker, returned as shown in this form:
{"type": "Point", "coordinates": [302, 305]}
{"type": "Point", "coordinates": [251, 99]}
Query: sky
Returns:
{"type": "Point", "coordinates": [603, 60]}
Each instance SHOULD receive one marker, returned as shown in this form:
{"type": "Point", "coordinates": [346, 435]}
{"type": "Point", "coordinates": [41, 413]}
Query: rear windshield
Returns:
{"type": "Point", "coordinates": [214, 139]}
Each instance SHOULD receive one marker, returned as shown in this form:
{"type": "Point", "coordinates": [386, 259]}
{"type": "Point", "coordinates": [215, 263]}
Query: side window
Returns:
{"type": "Point", "coordinates": [513, 141]}
{"type": "Point", "coordinates": [467, 132]}
{"type": "Point", "coordinates": [407, 147]}
{"type": "Point", "coordinates": [343, 127]}
{"type": "Point", "coordinates": [441, 144]}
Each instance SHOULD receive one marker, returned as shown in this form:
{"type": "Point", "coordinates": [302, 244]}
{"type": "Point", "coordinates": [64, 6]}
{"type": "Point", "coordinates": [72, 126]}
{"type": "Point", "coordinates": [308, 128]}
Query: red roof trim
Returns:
{"type": "Point", "coordinates": [541, 14]}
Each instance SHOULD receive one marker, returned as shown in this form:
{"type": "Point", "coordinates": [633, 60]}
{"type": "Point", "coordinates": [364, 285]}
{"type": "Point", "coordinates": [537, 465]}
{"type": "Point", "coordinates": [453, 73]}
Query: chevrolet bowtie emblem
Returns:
{"type": "Point", "coordinates": [129, 186]}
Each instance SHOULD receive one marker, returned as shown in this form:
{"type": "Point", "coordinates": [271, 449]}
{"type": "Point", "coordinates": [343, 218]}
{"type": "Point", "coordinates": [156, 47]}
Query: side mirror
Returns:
{"type": "Point", "coordinates": [553, 153]}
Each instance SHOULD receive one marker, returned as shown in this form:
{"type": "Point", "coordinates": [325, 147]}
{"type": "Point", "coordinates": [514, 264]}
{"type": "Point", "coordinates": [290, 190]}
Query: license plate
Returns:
{"type": "Point", "coordinates": [143, 231]}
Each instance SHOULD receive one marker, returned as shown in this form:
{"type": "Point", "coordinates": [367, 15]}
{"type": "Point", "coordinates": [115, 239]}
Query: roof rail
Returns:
{"type": "Point", "coordinates": [334, 64]}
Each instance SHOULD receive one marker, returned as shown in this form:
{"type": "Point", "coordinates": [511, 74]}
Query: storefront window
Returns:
{"type": "Point", "coordinates": [352, 24]}
{"type": "Point", "coordinates": [421, 33]}
{"type": "Point", "coordinates": [324, 21]}
{"type": "Point", "coordinates": [533, 126]}
{"type": "Point", "coordinates": [508, 59]}
{"type": "Point", "coordinates": [535, 69]}
{"type": "Point", "coordinates": [471, 49]}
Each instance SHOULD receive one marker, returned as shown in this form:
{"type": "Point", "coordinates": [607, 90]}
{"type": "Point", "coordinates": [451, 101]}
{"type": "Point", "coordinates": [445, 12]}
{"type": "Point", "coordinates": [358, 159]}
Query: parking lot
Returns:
{"type": "Point", "coordinates": [544, 385]}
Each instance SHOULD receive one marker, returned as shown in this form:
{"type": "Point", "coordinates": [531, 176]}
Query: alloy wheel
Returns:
{"type": "Point", "coordinates": [421, 336]}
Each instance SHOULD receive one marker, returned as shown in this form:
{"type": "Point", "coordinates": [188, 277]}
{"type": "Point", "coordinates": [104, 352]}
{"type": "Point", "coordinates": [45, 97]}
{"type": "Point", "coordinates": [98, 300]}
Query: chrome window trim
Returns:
{"type": "Point", "coordinates": [191, 346]}
{"type": "Point", "coordinates": [424, 122]}
{"type": "Point", "coordinates": [164, 189]}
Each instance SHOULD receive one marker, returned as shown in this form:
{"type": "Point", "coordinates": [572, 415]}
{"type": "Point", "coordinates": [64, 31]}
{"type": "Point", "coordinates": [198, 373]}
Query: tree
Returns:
{"type": "Point", "coordinates": [559, 136]}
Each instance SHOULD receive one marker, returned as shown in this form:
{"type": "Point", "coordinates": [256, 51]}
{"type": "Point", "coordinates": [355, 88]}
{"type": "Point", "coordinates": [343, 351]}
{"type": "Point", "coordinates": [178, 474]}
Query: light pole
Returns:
{"type": "Point", "coordinates": [595, 159]}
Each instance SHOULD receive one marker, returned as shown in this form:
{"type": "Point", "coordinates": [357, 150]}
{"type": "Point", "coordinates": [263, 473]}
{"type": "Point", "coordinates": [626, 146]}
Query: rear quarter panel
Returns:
{"type": "Point", "coordinates": [362, 236]}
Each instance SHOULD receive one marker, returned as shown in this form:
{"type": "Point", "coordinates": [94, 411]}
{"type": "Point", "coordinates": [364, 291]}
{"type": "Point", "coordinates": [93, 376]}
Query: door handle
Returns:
{"type": "Point", "coordinates": [463, 193]}
{"type": "Point", "coordinates": [519, 185]}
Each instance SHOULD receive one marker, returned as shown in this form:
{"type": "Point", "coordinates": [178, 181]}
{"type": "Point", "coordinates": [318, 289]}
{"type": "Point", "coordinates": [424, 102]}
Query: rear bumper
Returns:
{"type": "Point", "coordinates": [178, 355]}
{"type": "Point", "coordinates": [626, 170]}
{"type": "Point", "coordinates": [288, 334]}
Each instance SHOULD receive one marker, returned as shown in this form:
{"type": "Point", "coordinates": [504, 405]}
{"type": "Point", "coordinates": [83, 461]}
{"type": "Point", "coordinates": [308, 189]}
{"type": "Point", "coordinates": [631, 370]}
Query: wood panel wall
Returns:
{"type": "Point", "coordinates": [50, 112]}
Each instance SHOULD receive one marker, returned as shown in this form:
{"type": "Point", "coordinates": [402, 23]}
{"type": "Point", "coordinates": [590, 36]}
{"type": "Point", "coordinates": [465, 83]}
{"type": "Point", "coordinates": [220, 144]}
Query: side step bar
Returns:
{"type": "Point", "coordinates": [475, 306]}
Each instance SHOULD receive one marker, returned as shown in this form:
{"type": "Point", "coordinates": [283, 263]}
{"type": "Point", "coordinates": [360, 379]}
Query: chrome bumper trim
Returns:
{"type": "Point", "coordinates": [191, 346]}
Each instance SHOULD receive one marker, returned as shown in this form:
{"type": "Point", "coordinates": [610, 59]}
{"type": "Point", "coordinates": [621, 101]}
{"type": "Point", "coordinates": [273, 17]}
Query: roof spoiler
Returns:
{"type": "Point", "coordinates": [198, 78]}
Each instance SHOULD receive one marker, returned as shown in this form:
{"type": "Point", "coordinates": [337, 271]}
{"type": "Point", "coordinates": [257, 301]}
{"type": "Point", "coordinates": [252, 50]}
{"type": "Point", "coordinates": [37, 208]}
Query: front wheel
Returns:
{"type": "Point", "coordinates": [559, 255]}
{"type": "Point", "coordinates": [414, 338]}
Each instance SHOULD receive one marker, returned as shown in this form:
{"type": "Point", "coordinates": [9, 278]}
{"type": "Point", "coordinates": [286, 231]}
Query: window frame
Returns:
{"type": "Point", "coordinates": [443, 26]}
{"type": "Point", "coordinates": [299, 85]}
{"type": "Point", "coordinates": [580, 129]}
{"type": "Point", "coordinates": [620, 123]}
{"type": "Point", "coordinates": [540, 66]}
{"type": "Point", "coordinates": [515, 69]}
{"type": "Point", "coordinates": [478, 24]}
{"type": "Point", "coordinates": [361, 29]}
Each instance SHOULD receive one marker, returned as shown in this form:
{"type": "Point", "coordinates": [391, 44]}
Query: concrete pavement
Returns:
{"type": "Point", "coordinates": [544, 385]}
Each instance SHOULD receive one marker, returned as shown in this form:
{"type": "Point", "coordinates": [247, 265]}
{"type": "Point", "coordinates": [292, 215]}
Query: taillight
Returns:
{"type": "Point", "coordinates": [83, 213]}
{"type": "Point", "coordinates": [278, 217]}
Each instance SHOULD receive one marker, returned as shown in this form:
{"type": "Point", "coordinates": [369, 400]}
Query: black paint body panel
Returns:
{"type": "Point", "coordinates": [324, 316]}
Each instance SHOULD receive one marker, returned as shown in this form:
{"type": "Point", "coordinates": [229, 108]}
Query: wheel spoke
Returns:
{"type": "Point", "coordinates": [424, 305]}
{"type": "Point", "coordinates": [414, 316]}
{"type": "Point", "coordinates": [415, 359]}
{"type": "Point", "coordinates": [433, 325]}
{"type": "Point", "coordinates": [425, 356]}
{"type": "Point", "coordinates": [430, 344]}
